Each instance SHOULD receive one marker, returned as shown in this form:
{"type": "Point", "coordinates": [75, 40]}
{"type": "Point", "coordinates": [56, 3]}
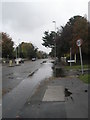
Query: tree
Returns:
{"type": "Point", "coordinates": [7, 46]}
{"type": "Point", "coordinates": [76, 28]}
{"type": "Point", "coordinates": [49, 39]}
{"type": "Point", "coordinates": [27, 50]}
{"type": "Point", "coordinates": [0, 45]}
{"type": "Point", "coordinates": [89, 37]}
{"type": "Point", "coordinates": [41, 54]}
{"type": "Point", "coordinates": [63, 41]}
{"type": "Point", "coordinates": [80, 30]}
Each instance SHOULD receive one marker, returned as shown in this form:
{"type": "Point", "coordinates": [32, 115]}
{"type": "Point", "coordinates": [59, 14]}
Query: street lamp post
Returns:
{"type": "Point", "coordinates": [16, 50]}
{"type": "Point", "coordinates": [70, 56]}
{"type": "Point", "coordinates": [55, 44]}
{"type": "Point", "coordinates": [55, 38]}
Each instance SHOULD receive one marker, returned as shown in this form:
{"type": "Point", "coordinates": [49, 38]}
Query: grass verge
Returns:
{"type": "Point", "coordinates": [85, 78]}
{"type": "Point", "coordinates": [77, 67]}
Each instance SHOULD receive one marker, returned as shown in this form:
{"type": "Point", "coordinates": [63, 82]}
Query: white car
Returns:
{"type": "Point", "coordinates": [33, 59]}
{"type": "Point", "coordinates": [19, 60]}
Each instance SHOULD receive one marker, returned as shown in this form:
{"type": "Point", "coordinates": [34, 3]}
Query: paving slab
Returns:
{"type": "Point", "coordinates": [74, 106]}
{"type": "Point", "coordinates": [54, 93]}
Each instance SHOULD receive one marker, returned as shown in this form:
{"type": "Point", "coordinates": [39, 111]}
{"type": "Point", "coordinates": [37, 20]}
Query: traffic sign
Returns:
{"type": "Point", "coordinates": [71, 60]}
{"type": "Point", "coordinates": [79, 42]}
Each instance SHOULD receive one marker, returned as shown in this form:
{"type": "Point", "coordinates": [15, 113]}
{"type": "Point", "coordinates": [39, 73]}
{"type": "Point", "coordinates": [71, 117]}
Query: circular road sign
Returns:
{"type": "Point", "coordinates": [79, 42]}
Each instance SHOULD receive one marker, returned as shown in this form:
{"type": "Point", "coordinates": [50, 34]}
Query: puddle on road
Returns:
{"type": "Point", "coordinates": [34, 79]}
{"type": "Point", "coordinates": [9, 74]}
{"type": "Point", "coordinates": [85, 90]}
{"type": "Point", "coordinates": [44, 72]}
{"type": "Point", "coordinates": [28, 86]}
{"type": "Point", "coordinates": [11, 77]}
{"type": "Point", "coordinates": [44, 62]}
{"type": "Point", "coordinates": [32, 73]}
{"type": "Point", "coordinates": [47, 67]}
{"type": "Point", "coordinates": [18, 78]}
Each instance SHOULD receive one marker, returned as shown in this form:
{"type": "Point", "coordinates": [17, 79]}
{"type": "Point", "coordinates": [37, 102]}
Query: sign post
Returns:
{"type": "Point", "coordinates": [70, 57]}
{"type": "Point", "coordinates": [71, 61]}
{"type": "Point", "coordinates": [79, 43]}
{"type": "Point", "coordinates": [75, 58]}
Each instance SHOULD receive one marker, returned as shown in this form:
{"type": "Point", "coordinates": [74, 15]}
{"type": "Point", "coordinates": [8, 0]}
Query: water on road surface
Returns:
{"type": "Point", "coordinates": [14, 100]}
{"type": "Point", "coordinates": [12, 76]}
{"type": "Point", "coordinates": [0, 90]}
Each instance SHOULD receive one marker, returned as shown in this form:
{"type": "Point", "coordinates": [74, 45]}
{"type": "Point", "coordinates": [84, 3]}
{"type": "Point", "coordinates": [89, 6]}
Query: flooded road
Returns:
{"type": "Point", "coordinates": [0, 90]}
{"type": "Point", "coordinates": [13, 76]}
{"type": "Point", "coordinates": [14, 100]}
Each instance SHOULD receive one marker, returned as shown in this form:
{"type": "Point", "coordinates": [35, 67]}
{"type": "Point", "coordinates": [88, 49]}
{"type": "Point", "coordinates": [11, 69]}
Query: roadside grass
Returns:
{"type": "Point", "coordinates": [85, 78]}
{"type": "Point", "coordinates": [76, 67]}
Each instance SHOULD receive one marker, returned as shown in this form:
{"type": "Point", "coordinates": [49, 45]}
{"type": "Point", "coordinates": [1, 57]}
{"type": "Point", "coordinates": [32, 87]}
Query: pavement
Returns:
{"type": "Point", "coordinates": [0, 90]}
{"type": "Point", "coordinates": [72, 104]}
{"type": "Point", "coordinates": [55, 97]}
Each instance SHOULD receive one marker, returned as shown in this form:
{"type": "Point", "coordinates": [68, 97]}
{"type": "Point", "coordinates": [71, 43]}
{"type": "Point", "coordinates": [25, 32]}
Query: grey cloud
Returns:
{"type": "Point", "coordinates": [29, 20]}
{"type": "Point", "coordinates": [24, 16]}
{"type": "Point", "coordinates": [89, 11]}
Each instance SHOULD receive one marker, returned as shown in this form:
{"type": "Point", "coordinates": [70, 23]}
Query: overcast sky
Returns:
{"type": "Point", "coordinates": [26, 20]}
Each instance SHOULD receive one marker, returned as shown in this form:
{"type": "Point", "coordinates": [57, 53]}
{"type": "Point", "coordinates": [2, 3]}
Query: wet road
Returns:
{"type": "Point", "coordinates": [12, 76]}
{"type": "Point", "coordinates": [16, 98]}
{"type": "Point", "coordinates": [0, 90]}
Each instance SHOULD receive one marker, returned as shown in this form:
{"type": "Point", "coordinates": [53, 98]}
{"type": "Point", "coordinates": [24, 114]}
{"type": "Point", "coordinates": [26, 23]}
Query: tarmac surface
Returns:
{"type": "Point", "coordinates": [13, 76]}
{"type": "Point", "coordinates": [70, 96]}
{"type": "Point", "coordinates": [14, 100]}
{"type": "Point", "coordinates": [0, 91]}
{"type": "Point", "coordinates": [74, 106]}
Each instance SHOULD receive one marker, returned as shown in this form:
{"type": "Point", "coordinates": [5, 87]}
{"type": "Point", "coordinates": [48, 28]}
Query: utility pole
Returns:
{"type": "Point", "coordinates": [70, 56]}
{"type": "Point", "coordinates": [16, 52]}
{"type": "Point", "coordinates": [18, 49]}
{"type": "Point", "coordinates": [55, 44]}
{"type": "Point", "coordinates": [55, 38]}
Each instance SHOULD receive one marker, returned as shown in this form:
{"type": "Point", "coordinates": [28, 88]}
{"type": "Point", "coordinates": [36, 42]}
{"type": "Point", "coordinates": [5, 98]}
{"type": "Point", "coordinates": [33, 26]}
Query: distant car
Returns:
{"type": "Point", "coordinates": [33, 59]}
{"type": "Point", "coordinates": [19, 60]}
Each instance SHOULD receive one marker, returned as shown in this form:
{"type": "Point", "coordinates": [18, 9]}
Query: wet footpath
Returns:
{"type": "Point", "coordinates": [44, 96]}
{"type": "Point", "coordinates": [13, 101]}
{"type": "Point", "coordinates": [61, 97]}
